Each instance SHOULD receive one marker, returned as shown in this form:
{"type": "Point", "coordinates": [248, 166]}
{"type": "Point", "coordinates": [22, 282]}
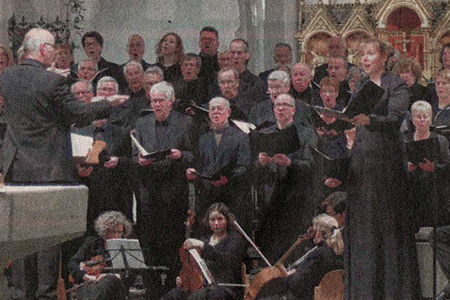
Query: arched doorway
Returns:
{"type": "Point", "coordinates": [404, 29]}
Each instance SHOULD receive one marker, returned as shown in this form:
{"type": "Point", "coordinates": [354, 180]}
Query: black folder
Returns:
{"type": "Point", "coordinates": [364, 103]}
{"type": "Point", "coordinates": [226, 171]}
{"type": "Point", "coordinates": [417, 151]}
{"type": "Point", "coordinates": [333, 167]}
{"type": "Point", "coordinates": [158, 155]}
{"type": "Point", "coordinates": [283, 141]}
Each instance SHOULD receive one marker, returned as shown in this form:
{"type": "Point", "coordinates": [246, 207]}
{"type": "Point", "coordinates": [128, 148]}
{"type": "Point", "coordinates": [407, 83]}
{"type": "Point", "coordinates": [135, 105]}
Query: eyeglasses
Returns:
{"type": "Point", "coordinates": [227, 82]}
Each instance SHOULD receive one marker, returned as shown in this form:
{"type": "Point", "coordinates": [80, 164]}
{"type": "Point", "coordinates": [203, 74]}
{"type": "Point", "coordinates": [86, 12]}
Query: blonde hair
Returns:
{"type": "Point", "coordinates": [333, 237]}
{"type": "Point", "coordinates": [421, 106]}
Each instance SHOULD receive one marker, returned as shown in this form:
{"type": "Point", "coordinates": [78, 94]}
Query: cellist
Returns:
{"type": "Point", "coordinates": [223, 250]}
{"type": "Point", "coordinates": [307, 272]}
{"type": "Point", "coordinates": [109, 225]}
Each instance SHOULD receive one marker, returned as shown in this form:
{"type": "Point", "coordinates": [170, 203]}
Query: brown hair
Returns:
{"type": "Point", "coordinates": [179, 50]}
{"type": "Point", "coordinates": [328, 81]}
{"type": "Point", "coordinates": [404, 64]}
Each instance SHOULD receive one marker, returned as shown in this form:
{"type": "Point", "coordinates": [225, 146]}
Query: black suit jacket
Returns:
{"type": "Point", "coordinates": [39, 110]}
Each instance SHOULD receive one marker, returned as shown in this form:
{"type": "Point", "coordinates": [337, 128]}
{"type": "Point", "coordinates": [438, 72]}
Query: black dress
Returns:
{"type": "Point", "coordinates": [224, 261]}
{"type": "Point", "coordinates": [381, 260]}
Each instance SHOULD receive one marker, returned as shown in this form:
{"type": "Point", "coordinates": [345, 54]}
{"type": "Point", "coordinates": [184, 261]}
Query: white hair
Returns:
{"type": "Point", "coordinates": [288, 97]}
{"type": "Point", "coordinates": [221, 100]}
{"type": "Point", "coordinates": [132, 63]}
{"type": "Point", "coordinates": [163, 87]}
{"type": "Point", "coordinates": [280, 75]}
{"type": "Point", "coordinates": [87, 60]}
{"type": "Point", "coordinates": [34, 39]}
{"type": "Point", "coordinates": [107, 79]}
{"type": "Point", "coordinates": [90, 86]}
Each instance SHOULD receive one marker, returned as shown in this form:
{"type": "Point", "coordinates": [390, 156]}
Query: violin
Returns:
{"type": "Point", "coordinates": [191, 275]}
{"type": "Point", "coordinates": [276, 271]}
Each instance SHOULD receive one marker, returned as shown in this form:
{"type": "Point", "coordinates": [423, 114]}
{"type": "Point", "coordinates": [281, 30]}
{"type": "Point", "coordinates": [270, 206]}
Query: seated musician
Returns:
{"type": "Point", "coordinates": [223, 251]}
{"type": "Point", "coordinates": [307, 272]}
{"type": "Point", "coordinates": [93, 283]}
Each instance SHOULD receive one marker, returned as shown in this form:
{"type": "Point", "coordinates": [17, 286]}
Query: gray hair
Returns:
{"type": "Point", "coordinates": [87, 60]}
{"type": "Point", "coordinates": [34, 39]}
{"type": "Point", "coordinates": [163, 87]}
{"type": "Point", "coordinates": [222, 100]}
{"type": "Point", "coordinates": [154, 70]}
{"type": "Point", "coordinates": [287, 96]}
{"type": "Point", "coordinates": [90, 86]}
{"type": "Point", "coordinates": [132, 36]}
{"type": "Point", "coordinates": [110, 219]}
{"type": "Point", "coordinates": [192, 56]}
{"type": "Point", "coordinates": [107, 79]}
{"type": "Point", "coordinates": [354, 72]}
{"type": "Point", "coordinates": [302, 65]}
{"type": "Point", "coordinates": [280, 75]}
{"type": "Point", "coordinates": [226, 70]}
{"type": "Point", "coordinates": [132, 63]}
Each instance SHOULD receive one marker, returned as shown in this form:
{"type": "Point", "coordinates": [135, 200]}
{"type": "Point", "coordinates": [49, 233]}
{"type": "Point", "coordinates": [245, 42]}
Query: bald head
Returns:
{"type": "Point", "coordinates": [39, 44]}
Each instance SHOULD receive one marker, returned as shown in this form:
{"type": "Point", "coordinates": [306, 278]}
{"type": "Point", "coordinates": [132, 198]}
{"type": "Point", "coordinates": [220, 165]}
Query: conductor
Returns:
{"type": "Point", "coordinates": [39, 110]}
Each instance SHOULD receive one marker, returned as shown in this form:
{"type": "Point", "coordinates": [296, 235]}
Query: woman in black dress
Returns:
{"type": "Point", "coordinates": [223, 251]}
{"type": "Point", "coordinates": [170, 53]}
{"type": "Point", "coordinates": [381, 259]}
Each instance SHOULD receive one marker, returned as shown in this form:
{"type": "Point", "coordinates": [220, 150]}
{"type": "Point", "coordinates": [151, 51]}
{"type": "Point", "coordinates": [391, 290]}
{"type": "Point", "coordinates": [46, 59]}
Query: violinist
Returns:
{"type": "Point", "coordinates": [307, 272]}
{"type": "Point", "coordinates": [93, 284]}
{"type": "Point", "coordinates": [223, 250]}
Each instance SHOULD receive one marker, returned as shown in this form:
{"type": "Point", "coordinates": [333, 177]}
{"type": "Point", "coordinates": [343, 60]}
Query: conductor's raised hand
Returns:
{"type": "Point", "coordinates": [118, 100]}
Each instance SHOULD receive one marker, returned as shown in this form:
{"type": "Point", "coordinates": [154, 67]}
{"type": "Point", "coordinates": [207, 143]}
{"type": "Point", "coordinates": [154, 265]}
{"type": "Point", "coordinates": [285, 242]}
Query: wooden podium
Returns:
{"type": "Point", "coordinates": [37, 217]}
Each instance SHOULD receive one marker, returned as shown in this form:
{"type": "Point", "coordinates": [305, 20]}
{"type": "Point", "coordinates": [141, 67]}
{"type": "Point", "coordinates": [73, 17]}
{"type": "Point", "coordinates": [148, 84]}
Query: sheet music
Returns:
{"type": "Point", "coordinates": [201, 263]}
{"type": "Point", "coordinates": [244, 126]}
{"type": "Point", "coordinates": [81, 144]}
{"type": "Point", "coordinates": [138, 146]}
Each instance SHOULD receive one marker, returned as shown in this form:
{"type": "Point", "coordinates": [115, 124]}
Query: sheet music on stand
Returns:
{"type": "Point", "coordinates": [126, 254]}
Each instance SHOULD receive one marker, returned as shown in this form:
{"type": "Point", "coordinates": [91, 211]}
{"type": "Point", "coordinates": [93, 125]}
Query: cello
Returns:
{"type": "Point", "coordinates": [191, 275]}
{"type": "Point", "coordinates": [276, 271]}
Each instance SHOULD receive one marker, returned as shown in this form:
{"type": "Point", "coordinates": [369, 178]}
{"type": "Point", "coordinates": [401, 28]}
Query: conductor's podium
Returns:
{"type": "Point", "coordinates": [39, 216]}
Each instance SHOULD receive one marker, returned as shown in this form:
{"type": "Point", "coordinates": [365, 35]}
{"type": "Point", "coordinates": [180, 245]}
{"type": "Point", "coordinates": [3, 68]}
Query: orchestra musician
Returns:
{"type": "Point", "coordinates": [307, 272]}
{"type": "Point", "coordinates": [95, 285]}
{"type": "Point", "coordinates": [223, 250]}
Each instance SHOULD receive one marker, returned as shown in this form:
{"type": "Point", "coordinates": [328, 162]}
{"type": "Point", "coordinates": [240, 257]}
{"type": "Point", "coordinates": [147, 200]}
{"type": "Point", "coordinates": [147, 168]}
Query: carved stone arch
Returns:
{"type": "Point", "coordinates": [317, 42]}
{"type": "Point", "coordinates": [353, 39]}
{"type": "Point", "coordinates": [422, 14]}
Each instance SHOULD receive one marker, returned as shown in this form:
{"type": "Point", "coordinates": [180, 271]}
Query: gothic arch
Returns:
{"type": "Point", "coordinates": [391, 7]}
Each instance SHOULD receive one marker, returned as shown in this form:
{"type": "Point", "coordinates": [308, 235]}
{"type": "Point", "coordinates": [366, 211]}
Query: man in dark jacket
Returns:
{"type": "Point", "coordinates": [39, 111]}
